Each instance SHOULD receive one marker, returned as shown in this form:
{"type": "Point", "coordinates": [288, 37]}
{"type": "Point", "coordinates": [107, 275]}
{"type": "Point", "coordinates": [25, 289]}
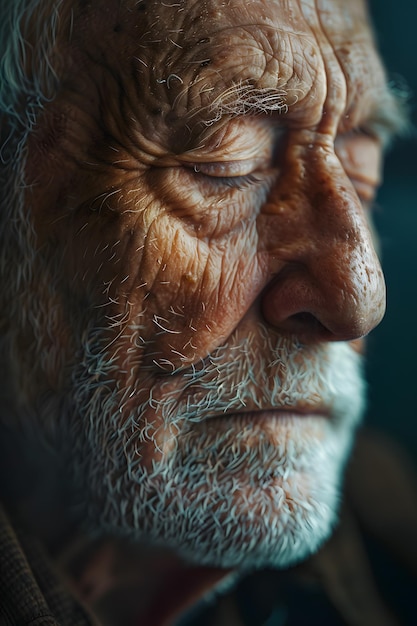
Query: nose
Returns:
{"type": "Point", "coordinates": [327, 282]}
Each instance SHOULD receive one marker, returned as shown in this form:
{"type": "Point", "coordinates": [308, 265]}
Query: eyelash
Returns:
{"type": "Point", "coordinates": [233, 182]}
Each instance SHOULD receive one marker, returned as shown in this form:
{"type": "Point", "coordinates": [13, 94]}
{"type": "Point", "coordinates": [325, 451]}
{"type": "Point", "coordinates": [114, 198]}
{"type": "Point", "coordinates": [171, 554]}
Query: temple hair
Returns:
{"type": "Point", "coordinates": [27, 78]}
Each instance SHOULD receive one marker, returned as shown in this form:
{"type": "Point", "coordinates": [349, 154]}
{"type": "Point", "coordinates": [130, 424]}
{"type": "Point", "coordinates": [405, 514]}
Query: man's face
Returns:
{"type": "Point", "coordinates": [200, 194]}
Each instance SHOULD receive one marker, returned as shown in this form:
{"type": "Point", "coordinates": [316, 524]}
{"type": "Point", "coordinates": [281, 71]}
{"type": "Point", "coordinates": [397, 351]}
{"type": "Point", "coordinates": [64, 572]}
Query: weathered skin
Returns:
{"type": "Point", "coordinates": [154, 203]}
{"type": "Point", "coordinates": [114, 155]}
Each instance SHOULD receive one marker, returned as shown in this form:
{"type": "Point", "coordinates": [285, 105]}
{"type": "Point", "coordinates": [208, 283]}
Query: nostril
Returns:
{"type": "Point", "coordinates": [325, 299]}
{"type": "Point", "coordinates": [304, 322]}
{"type": "Point", "coordinates": [304, 318]}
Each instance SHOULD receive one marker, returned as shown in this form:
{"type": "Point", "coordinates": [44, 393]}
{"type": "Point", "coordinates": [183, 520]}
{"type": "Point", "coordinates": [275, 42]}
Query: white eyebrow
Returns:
{"type": "Point", "coordinates": [243, 98]}
{"type": "Point", "coordinates": [389, 118]}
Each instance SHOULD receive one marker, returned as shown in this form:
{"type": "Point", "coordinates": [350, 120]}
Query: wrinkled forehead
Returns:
{"type": "Point", "coordinates": [182, 64]}
{"type": "Point", "coordinates": [188, 52]}
{"type": "Point", "coordinates": [196, 19]}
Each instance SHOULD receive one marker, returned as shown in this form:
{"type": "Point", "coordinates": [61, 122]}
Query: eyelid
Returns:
{"type": "Point", "coordinates": [226, 169]}
{"type": "Point", "coordinates": [366, 191]}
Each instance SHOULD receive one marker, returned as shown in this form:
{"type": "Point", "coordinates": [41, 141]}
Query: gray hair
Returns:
{"type": "Point", "coordinates": [27, 81]}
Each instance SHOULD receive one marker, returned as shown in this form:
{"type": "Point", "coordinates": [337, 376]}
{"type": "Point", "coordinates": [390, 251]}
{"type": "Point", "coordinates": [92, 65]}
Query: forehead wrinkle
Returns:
{"type": "Point", "coordinates": [259, 45]}
{"type": "Point", "coordinates": [277, 75]}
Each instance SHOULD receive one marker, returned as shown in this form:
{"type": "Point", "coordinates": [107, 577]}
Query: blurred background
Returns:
{"type": "Point", "coordinates": [392, 361]}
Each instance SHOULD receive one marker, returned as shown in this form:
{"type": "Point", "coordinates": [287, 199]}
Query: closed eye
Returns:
{"type": "Point", "coordinates": [237, 182]}
{"type": "Point", "coordinates": [227, 169]}
{"type": "Point", "coordinates": [231, 174]}
{"type": "Point", "coordinates": [360, 154]}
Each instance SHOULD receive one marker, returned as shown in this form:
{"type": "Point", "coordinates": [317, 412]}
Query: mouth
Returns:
{"type": "Point", "coordinates": [275, 414]}
{"type": "Point", "coordinates": [258, 446]}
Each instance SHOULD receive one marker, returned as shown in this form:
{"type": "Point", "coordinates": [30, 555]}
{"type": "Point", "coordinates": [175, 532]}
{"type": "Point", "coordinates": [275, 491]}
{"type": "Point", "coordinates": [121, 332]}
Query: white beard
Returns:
{"type": "Point", "coordinates": [226, 490]}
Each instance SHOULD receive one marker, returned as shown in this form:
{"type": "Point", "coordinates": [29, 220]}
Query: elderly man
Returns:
{"type": "Point", "coordinates": [187, 261]}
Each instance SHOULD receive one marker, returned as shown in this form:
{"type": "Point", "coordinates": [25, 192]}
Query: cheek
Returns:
{"type": "Point", "coordinates": [192, 293]}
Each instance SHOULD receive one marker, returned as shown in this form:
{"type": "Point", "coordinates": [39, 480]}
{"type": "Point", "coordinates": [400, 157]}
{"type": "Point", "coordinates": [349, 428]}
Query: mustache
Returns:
{"type": "Point", "coordinates": [252, 371]}
{"type": "Point", "coordinates": [260, 370]}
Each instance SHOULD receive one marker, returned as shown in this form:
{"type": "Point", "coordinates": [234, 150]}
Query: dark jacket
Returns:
{"type": "Point", "coordinates": [31, 592]}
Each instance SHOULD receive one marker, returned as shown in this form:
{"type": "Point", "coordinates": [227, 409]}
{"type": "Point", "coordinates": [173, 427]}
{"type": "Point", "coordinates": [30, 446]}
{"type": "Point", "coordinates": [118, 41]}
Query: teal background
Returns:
{"type": "Point", "coordinates": [392, 360]}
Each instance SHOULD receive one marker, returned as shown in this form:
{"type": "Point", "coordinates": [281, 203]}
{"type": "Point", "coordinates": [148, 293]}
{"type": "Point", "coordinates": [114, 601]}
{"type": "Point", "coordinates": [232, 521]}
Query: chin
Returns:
{"type": "Point", "coordinates": [243, 489]}
{"type": "Point", "coordinates": [270, 503]}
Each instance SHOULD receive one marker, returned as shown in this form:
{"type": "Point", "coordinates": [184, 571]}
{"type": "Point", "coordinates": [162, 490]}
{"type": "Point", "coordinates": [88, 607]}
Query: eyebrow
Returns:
{"type": "Point", "coordinates": [389, 117]}
{"type": "Point", "coordinates": [245, 99]}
